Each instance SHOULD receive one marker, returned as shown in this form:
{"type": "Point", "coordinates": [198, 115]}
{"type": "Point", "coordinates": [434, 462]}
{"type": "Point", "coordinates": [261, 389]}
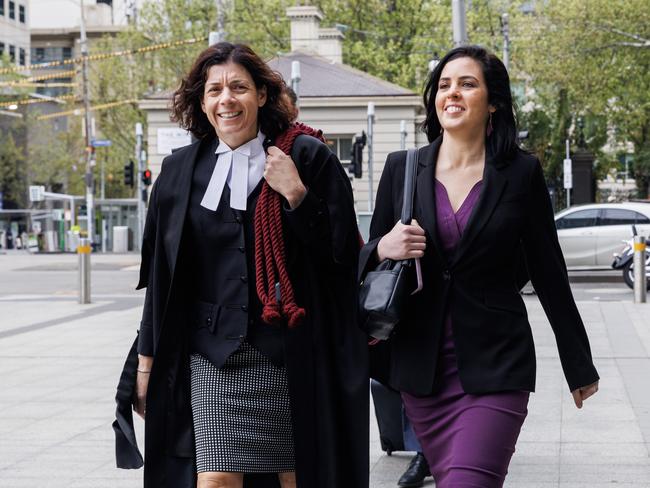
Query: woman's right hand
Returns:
{"type": "Point", "coordinates": [145, 364]}
{"type": "Point", "coordinates": [402, 242]}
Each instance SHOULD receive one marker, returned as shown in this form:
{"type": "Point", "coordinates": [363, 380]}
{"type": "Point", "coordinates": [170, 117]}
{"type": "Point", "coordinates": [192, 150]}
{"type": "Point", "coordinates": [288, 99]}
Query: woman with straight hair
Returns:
{"type": "Point", "coordinates": [251, 369]}
{"type": "Point", "coordinates": [463, 356]}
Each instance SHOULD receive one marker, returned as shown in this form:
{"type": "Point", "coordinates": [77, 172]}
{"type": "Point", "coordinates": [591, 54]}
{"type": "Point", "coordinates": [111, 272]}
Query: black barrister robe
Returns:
{"type": "Point", "coordinates": [326, 356]}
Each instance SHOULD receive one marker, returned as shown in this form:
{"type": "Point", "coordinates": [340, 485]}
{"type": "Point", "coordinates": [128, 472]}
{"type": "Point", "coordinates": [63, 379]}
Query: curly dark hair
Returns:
{"type": "Point", "coordinates": [274, 117]}
{"type": "Point", "coordinates": [502, 143]}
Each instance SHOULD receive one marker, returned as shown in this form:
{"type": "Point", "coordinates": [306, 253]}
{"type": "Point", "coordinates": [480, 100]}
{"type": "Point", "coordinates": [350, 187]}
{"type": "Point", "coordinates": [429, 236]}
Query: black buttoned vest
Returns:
{"type": "Point", "coordinates": [223, 308]}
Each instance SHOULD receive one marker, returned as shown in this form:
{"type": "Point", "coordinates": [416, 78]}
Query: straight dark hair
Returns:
{"type": "Point", "coordinates": [502, 143]}
{"type": "Point", "coordinates": [274, 117]}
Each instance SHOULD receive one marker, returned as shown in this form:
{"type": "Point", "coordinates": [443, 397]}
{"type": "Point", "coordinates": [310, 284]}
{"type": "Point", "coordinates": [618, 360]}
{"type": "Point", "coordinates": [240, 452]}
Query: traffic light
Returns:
{"type": "Point", "coordinates": [129, 168]}
{"type": "Point", "coordinates": [356, 155]}
{"type": "Point", "coordinates": [146, 177]}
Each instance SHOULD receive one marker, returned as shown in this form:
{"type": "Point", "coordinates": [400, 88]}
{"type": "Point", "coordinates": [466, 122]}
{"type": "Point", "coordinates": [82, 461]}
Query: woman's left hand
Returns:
{"type": "Point", "coordinates": [584, 392]}
{"type": "Point", "coordinates": [281, 174]}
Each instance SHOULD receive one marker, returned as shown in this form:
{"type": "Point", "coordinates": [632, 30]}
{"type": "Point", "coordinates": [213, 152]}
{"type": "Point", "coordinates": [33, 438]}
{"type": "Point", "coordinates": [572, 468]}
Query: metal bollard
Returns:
{"type": "Point", "coordinates": [640, 284]}
{"type": "Point", "coordinates": [83, 250]}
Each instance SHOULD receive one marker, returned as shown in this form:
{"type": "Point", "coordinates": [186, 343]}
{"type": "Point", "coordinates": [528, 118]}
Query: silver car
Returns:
{"type": "Point", "coordinates": [591, 234]}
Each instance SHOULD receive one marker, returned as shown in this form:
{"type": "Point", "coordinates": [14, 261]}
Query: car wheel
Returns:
{"type": "Point", "coordinates": [628, 275]}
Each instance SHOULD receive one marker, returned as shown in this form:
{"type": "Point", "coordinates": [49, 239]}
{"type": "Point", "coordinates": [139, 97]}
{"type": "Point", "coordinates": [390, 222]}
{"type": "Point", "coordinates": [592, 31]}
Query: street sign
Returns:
{"type": "Point", "coordinates": [171, 138]}
{"type": "Point", "coordinates": [568, 174]}
{"type": "Point", "coordinates": [36, 193]}
{"type": "Point", "coordinates": [101, 143]}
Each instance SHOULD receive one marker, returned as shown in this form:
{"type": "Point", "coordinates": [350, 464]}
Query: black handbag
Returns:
{"type": "Point", "coordinates": [384, 290]}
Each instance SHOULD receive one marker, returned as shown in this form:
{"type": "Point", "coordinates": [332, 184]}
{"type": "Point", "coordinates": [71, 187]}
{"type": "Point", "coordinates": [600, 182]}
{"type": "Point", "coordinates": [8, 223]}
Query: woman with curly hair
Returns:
{"type": "Point", "coordinates": [250, 364]}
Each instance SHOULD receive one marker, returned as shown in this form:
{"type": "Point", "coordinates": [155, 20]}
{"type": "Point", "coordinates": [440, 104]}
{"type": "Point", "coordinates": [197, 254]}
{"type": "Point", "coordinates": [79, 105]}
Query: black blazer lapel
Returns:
{"type": "Point", "coordinates": [180, 184]}
{"type": "Point", "coordinates": [425, 208]}
{"type": "Point", "coordinates": [493, 185]}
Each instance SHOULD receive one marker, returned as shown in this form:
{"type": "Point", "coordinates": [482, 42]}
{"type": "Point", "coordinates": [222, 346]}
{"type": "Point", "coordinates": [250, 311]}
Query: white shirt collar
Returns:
{"type": "Point", "coordinates": [241, 168]}
{"type": "Point", "coordinates": [251, 148]}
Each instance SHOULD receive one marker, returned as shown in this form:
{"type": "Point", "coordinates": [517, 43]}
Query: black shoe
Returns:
{"type": "Point", "coordinates": [416, 472]}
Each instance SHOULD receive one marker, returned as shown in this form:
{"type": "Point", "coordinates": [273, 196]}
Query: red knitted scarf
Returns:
{"type": "Point", "coordinates": [270, 259]}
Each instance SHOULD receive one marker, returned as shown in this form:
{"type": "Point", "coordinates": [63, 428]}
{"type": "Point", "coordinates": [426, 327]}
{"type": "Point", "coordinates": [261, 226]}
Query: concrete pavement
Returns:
{"type": "Point", "coordinates": [60, 361]}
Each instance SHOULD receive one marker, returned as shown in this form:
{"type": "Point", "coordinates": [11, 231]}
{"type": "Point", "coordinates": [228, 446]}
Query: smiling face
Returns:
{"type": "Point", "coordinates": [462, 97]}
{"type": "Point", "coordinates": [231, 102]}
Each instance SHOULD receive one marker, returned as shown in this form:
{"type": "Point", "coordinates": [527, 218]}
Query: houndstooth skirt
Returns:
{"type": "Point", "coordinates": [242, 415]}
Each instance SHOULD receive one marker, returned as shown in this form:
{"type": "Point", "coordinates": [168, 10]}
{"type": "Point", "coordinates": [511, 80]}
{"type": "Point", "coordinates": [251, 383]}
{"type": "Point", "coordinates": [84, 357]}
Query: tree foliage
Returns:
{"type": "Point", "coordinates": [597, 52]}
{"type": "Point", "coordinates": [584, 59]}
{"type": "Point", "coordinates": [12, 167]}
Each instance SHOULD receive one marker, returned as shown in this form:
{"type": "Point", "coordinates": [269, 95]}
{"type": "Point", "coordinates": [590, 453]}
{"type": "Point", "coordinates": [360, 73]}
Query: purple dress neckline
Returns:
{"type": "Point", "coordinates": [451, 225]}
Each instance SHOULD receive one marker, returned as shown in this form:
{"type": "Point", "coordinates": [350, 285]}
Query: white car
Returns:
{"type": "Point", "coordinates": [591, 234]}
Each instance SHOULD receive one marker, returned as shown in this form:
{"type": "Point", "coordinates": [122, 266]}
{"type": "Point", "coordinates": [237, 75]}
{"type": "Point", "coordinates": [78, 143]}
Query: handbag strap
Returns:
{"type": "Point", "coordinates": [410, 175]}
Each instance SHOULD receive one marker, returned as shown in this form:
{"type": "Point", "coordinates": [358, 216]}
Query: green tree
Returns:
{"type": "Point", "coordinates": [12, 176]}
{"type": "Point", "coordinates": [598, 53]}
{"type": "Point", "coordinates": [56, 159]}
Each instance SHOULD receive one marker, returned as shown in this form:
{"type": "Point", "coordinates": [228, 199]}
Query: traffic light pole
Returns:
{"type": "Point", "coordinates": [139, 184]}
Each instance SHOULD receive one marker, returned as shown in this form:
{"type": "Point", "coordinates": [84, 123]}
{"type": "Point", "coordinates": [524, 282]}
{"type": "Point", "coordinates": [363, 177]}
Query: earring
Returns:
{"type": "Point", "coordinates": [490, 129]}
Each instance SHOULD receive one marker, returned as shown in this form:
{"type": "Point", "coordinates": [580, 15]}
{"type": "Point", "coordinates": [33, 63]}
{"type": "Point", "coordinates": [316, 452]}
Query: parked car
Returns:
{"type": "Point", "coordinates": [591, 234]}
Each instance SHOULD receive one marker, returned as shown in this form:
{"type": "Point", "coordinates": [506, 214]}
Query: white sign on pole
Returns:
{"type": "Point", "coordinates": [568, 174]}
{"type": "Point", "coordinates": [36, 193]}
{"type": "Point", "coordinates": [172, 138]}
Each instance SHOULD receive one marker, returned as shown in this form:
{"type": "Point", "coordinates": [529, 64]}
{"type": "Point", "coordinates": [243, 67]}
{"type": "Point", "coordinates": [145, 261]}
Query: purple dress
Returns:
{"type": "Point", "coordinates": [468, 440]}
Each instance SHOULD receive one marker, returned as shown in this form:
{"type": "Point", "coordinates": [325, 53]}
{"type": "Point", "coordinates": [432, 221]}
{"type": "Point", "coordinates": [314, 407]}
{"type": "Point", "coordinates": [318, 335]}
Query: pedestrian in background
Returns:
{"type": "Point", "coordinates": [463, 357]}
{"type": "Point", "coordinates": [238, 373]}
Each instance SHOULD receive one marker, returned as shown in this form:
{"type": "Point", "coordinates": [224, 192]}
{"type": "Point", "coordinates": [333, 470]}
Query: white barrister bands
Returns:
{"type": "Point", "coordinates": [242, 168]}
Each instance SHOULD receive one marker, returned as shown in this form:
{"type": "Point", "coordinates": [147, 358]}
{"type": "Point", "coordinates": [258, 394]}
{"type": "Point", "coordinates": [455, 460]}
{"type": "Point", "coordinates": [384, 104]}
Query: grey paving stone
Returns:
{"type": "Point", "coordinates": [57, 387]}
{"type": "Point", "coordinates": [604, 473]}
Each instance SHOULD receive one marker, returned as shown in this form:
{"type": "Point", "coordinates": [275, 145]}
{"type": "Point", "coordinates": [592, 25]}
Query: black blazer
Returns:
{"type": "Point", "coordinates": [478, 284]}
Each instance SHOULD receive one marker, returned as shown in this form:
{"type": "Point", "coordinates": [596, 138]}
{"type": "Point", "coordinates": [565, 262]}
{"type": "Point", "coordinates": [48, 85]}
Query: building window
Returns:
{"type": "Point", "coordinates": [21, 57]}
{"type": "Point", "coordinates": [12, 10]}
{"type": "Point", "coordinates": [341, 146]}
{"type": "Point", "coordinates": [2, 7]}
{"type": "Point", "coordinates": [12, 53]}
{"type": "Point", "coordinates": [38, 54]}
{"type": "Point", "coordinates": [2, 48]}
{"type": "Point", "coordinates": [54, 91]}
{"type": "Point", "coordinates": [21, 13]}
{"type": "Point", "coordinates": [47, 54]}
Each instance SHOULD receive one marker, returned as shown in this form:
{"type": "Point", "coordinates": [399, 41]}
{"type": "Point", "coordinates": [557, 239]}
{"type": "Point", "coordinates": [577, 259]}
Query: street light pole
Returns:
{"type": "Point", "coordinates": [403, 133]}
{"type": "Point", "coordinates": [88, 126]}
{"type": "Point", "coordinates": [295, 78]}
{"type": "Point", "coordinates": [371, 123]}
{"type": "Point", "coordinates": [458, 22]}
{"type": "Point", "coordinates": [220, 34]}
{"type": "Point", "coordinates": [505, 29]}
